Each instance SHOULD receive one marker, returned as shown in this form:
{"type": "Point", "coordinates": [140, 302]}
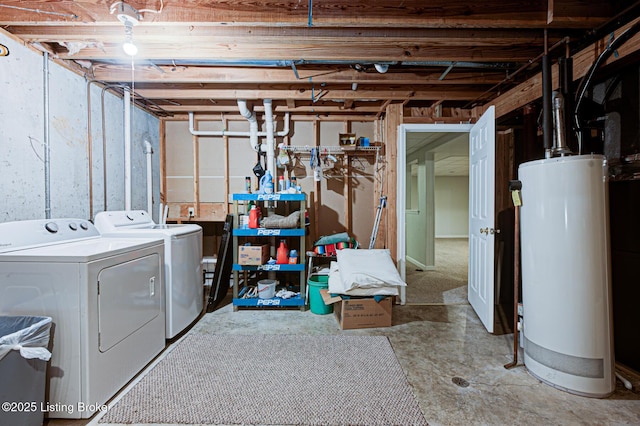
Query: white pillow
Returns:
{"type": "Point", "coordinates": [336, 286]}
{"type": "Point", "coordinates": [367, 268]}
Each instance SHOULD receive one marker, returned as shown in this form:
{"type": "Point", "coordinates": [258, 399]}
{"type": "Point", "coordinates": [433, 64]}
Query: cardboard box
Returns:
{"type": "Point", "coordinates": [360, 312]}
{"type": "Point", "coordinates": [253, 255]}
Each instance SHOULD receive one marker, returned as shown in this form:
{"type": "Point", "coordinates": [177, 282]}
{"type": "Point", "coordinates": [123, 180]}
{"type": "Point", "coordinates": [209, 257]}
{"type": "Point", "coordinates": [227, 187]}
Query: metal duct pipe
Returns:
{"type": "Point", "coordinates": [47, 141]}
{"type": "Point", "coordinates": [104, 144]}
{"type": "Point", "coordinates": [547, 116]}
{"type": "Point", "coordinates": [559, 143]}
{"type": "Point", "coordinates": [127, 148]}
{"type": "Point", "coordinates": [565, 73]}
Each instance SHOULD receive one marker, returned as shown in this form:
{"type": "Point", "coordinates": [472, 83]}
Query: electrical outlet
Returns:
{"type": "Point", "coordinates": [192, 212]}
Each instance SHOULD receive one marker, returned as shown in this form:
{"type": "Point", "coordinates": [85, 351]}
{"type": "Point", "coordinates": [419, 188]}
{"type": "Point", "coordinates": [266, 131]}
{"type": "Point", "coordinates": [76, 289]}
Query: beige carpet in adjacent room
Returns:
{"type": "Point", "coordinates": [273, 380]}
{"type": "Point", "coordinates": [447, 282]}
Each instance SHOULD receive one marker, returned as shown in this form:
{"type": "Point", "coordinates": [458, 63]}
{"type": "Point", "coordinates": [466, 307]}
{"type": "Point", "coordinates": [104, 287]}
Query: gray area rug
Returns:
{"type": "Point", "coordinates": [273, 380]}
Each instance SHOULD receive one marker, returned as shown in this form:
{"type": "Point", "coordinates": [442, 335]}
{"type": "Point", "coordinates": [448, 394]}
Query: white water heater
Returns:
{"type": "Point", "coordinates": [566, 274]}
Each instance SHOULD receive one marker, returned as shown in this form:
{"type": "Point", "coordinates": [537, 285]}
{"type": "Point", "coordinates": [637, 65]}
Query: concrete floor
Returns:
{"type": "Point", "coordinates": [436, 345]}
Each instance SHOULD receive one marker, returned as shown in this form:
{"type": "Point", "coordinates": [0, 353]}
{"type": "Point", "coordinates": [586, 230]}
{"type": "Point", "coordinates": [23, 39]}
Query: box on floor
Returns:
{"type": "Point", "coordinates": [360, 312]}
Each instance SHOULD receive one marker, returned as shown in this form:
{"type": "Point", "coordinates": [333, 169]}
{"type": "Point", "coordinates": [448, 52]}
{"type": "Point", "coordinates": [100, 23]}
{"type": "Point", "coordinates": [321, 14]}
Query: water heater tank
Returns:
{"type": "Point", "coordinates": [566, 275]}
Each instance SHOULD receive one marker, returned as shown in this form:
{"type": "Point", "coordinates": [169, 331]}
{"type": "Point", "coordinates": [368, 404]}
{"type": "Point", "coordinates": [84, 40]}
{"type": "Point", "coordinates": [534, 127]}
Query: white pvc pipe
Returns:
{"type": "Point", "coordinates": [127, 148]}
{"type": "Point", "coordinates": [47, 140]}
{"type": "Point", "coordinates": [253, 123]}
{"type": "Point", "coordinates": [255, 134]}
{"type": "Point", "coordinates": [271, 159]}
{"type": "Point", "coordinates": [148, 151]}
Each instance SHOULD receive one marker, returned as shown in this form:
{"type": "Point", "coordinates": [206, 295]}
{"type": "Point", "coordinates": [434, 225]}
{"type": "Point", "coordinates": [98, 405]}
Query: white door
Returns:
{"type": "Point", "coordinates": [481, 216]}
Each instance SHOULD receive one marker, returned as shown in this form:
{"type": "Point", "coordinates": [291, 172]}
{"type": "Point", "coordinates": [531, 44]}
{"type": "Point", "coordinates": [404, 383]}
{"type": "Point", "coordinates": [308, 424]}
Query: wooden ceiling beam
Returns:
{"type": "Point", "coordinates": [277, 109]}
{"type": "Point", "coordinates": [238, 75]}
{"type": "Point", "coordinates": [381, 94]}
{"type": "Point", "coordinates": [327, 13]}
{"type": "Point", "coordinates": [345, 50]}
{"type": "Point", "coordinates": [112, 32]}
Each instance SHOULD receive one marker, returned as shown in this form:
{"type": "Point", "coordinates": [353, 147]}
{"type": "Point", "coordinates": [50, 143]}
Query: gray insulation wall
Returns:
{"type": "Point", "coordinates": [22, 138]}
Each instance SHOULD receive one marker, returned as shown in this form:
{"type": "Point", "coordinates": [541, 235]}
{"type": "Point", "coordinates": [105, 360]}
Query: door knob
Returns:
{"type": "Point", "coordinates": [488, 231]}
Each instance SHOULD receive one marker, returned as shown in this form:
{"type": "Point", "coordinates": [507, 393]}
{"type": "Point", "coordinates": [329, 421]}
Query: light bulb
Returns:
{"type": "Point", "coordinates": [129, 48]}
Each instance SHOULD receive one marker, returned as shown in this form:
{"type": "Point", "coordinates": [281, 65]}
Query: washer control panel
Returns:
{"type": "Point", "coordinates": [25, 234]}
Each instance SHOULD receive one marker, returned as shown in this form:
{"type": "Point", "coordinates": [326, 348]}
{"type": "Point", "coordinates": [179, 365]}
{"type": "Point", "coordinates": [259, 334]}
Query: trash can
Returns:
{"type": "Point", "coordinates": [316, 283]}
{"type": "Point", "coordinates": [23, 366]}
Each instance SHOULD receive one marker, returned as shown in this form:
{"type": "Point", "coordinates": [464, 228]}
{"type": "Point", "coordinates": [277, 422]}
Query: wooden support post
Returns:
{"type": "Point", "coordinates": [394, 116]}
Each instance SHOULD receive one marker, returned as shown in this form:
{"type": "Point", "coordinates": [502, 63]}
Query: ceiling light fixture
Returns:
{"type": "Point", "coordinates": [381, 68]}
{"type": "Point", "coordinates": [130, 17]}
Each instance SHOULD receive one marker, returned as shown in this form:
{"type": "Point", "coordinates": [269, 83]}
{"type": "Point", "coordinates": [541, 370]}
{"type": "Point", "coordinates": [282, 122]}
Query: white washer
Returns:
{"type": "Point", "coordinates": [106, 299]}
{"type": "Point", "coordinates": [184, 282]}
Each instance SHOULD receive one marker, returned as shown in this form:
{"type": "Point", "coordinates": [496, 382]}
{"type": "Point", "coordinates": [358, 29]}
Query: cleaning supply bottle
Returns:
{"type": "Point", "coordinates": [282, 256]}
{"type": "Point", "coordinates": [266, 183]}
{"type": "Point", "coordinates": [254, 217]}
{"type": "Point", "coordinates": [281, 184]}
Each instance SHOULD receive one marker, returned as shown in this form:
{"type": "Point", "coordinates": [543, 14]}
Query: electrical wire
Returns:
{"type": "Point", "coordinates": [45, 12]}
{"type": "Point", "coordinates": [154, 11]}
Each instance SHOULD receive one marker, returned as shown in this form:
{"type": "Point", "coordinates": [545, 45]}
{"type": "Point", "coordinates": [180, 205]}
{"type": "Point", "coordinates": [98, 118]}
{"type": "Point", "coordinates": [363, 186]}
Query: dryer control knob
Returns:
{"type": "Point", "coordinates": [73, 226]}
{"type": "Point", "coordinates": [84, 226]}
{"type": "Point", "coordinates": [51, 227]}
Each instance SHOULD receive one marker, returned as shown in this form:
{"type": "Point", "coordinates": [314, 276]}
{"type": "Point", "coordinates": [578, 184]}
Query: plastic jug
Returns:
{"type": "Point", "coordinates": [266, 183]}
{"type": "Point", "coordinates": [282, 257]}
{"type": "Point", "coordinates": [254, 217]}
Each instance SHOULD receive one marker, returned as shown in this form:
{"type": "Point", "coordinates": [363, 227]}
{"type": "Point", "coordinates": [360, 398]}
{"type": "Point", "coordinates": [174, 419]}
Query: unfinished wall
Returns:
{"type": "Point", "coordinates": [22, 119]}
{"type": "Point", "coordinates": [223, 163]}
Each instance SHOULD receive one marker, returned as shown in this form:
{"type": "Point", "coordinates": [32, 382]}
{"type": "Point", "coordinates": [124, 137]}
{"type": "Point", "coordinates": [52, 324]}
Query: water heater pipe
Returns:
{"type": "Point", "coordinates": [547, 116]}
{"type": "Point", "coordinates": [559, 141]}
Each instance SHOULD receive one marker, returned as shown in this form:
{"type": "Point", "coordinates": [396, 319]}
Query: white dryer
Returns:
{"type": "Point", "coordinates": [184, 282]}
{"type": "Point", "coordinates": [106, 299]}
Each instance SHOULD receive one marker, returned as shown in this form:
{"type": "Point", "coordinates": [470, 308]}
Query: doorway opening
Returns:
{"type": "Point", "coordinates": [436, 213]}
